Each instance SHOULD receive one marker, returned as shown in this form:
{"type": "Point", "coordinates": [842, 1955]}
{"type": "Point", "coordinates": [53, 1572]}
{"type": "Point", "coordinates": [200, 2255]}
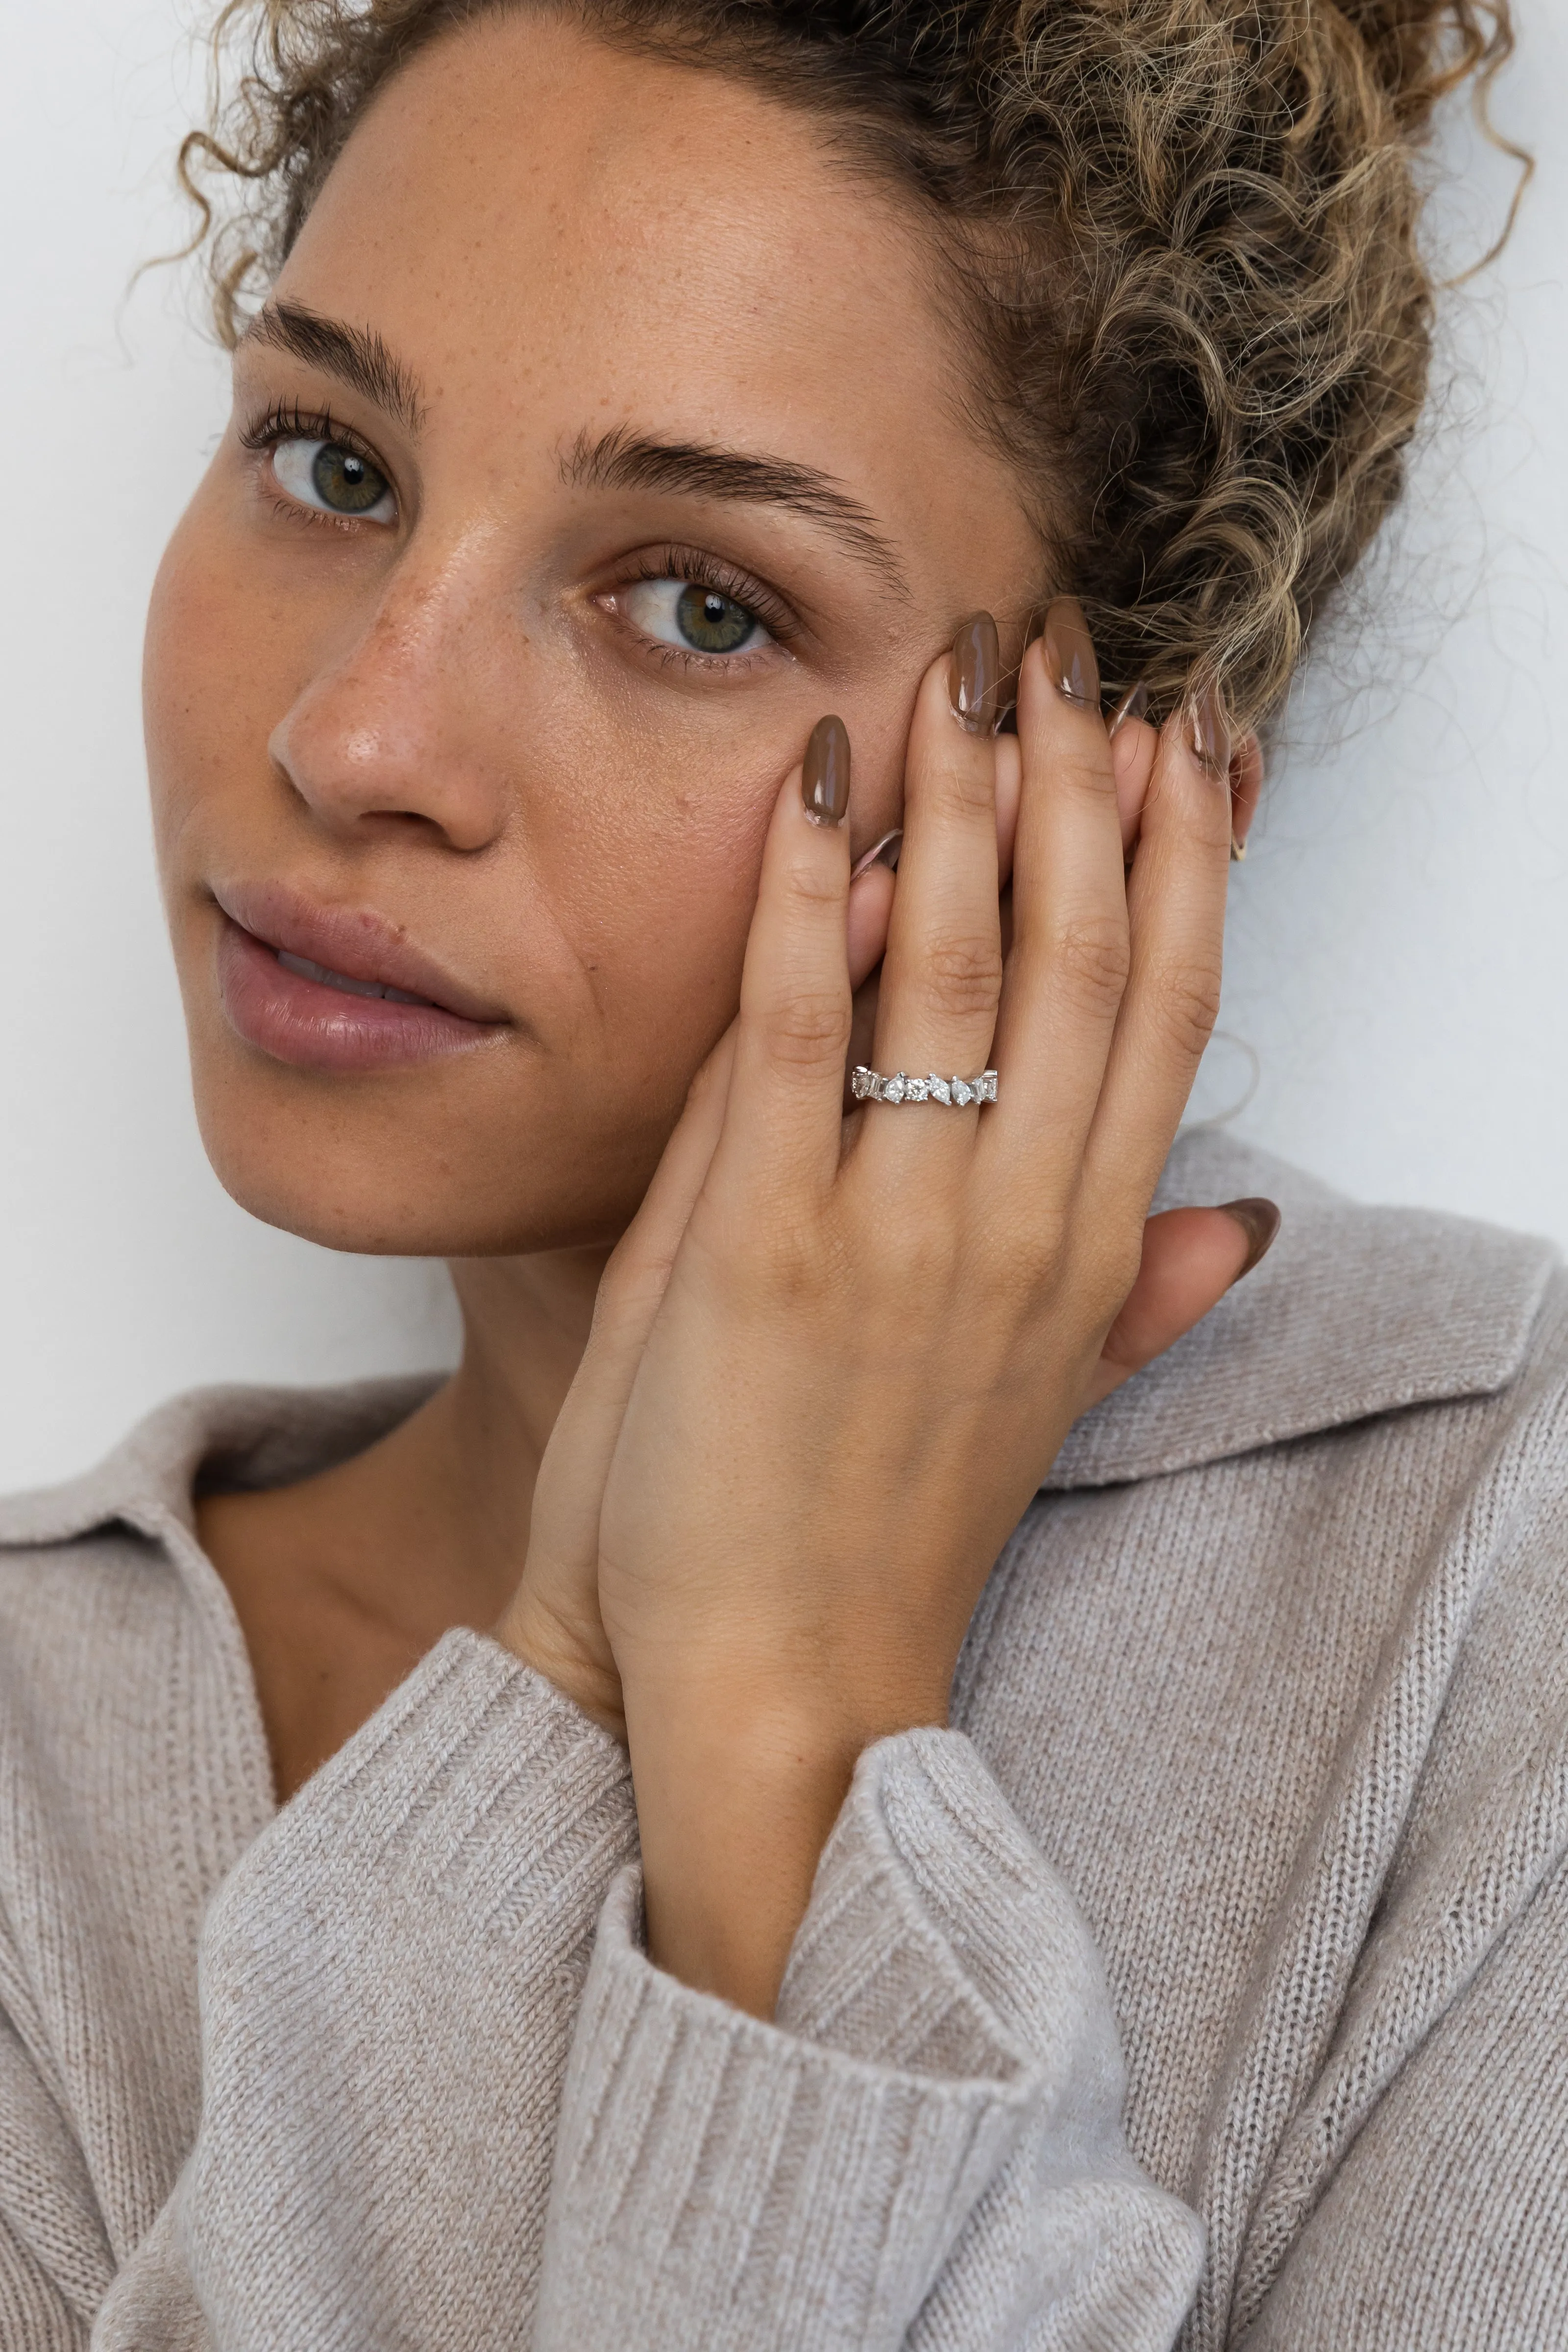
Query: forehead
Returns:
{"type": "Point", "coordinates": [545, 227]}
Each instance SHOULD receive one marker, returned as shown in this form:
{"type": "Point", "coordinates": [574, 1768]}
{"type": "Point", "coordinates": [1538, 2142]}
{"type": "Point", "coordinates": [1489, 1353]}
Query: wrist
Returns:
{"type": "Point", "coordinates": [738, 1788]}
{"type": "Point", "coordinates": [536, 1635]}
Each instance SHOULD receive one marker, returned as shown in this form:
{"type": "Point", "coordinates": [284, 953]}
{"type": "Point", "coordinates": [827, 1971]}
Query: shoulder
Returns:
{"type": "Point", "coordinates": [122, 1666]}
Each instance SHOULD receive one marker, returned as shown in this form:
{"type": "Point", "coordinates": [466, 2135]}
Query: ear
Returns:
{"type": "Point", "coordinates": [1245, 784]}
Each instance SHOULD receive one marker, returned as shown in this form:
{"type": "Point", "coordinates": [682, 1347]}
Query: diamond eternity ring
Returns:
{"type": "Point", "coordinates": [870, 1086]}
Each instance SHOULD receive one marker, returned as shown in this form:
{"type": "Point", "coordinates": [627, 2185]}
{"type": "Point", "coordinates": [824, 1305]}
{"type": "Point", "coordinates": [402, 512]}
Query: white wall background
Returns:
{"type": "Point", "coordinates": [1398, 973]}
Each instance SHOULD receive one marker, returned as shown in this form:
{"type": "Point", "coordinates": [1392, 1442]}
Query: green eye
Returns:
{"type": "Point", "coordinates": [345, 480]}
{"type": "Point", "coordinates": [714, 623]}
{"type": "Point", "coordinates": [333, 478]}
{"type": "Point", "coordinates": [693, 614]}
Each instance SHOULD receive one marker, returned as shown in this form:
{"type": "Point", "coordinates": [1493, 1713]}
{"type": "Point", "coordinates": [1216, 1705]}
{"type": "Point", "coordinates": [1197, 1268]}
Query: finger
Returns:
{"type": "Point", "coordinates": [1191, 1258]}
{"type": "Point", "coordinates": [782, 1120]}
{"type": "Point", "coordinates": [871, 882]}
{"type": "Point", "coordinates": [1133, 745]}
{"type": "Point", "coordinates": [634, 1279]}
{"type": "Point", "coordinates": [870, 909]}
{"type": "Point", "coordinates": [941, 975]}
{"type": "Point", "coordinates": [1070, 957]}
{"type": "Point", "coordinates": [565, 1524]}
{"type": "Point", "coordinates": [1176, 913]}
{"type": "Point", "coordinates": [1246, 789]}
{"type": "Point", "coordinates": [1009, 787]}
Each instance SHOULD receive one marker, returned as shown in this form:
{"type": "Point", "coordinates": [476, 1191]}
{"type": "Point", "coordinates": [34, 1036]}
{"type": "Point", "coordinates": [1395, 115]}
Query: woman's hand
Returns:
{"type": "Point", "coordinates": [553, 1620]}
{"type": "Point", "coordinates": [834, 1357]}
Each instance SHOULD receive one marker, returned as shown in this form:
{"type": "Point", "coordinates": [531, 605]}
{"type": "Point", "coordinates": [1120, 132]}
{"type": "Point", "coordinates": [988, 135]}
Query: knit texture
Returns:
{"type": "Point", "coordinates": [1258, 1776]}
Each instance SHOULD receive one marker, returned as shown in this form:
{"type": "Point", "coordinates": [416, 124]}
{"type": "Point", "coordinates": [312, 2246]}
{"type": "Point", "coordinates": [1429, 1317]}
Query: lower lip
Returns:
{"type": "Point", "coordinates": [316, 1027]}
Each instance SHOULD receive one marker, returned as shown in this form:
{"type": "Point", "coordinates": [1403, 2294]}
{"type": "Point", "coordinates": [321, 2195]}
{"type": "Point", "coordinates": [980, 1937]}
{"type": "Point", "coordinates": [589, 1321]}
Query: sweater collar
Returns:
{"type": "Point", "coordinates": [1355, 1311]}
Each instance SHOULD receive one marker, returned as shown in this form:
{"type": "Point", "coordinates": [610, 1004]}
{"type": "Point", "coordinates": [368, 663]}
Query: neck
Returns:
{"type": "Point", "coordinates": [429, 1527]}
{"type": "Point", "coordinates": [477, 1446]}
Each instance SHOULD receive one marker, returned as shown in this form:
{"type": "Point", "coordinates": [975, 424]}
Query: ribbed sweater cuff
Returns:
{"type": "Point", "coordinates": [475, 1774]}
{"type": "Point", "coordinates": [389, 1980]}
{"type": "Point", "coordinates": [719, 2180]}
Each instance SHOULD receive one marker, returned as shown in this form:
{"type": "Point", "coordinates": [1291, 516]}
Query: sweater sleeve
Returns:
{"type": "Point", "coordinates": [924, 2150]}
{"type": "Point", "coordinates": [447, 2104]}
{"type": "Point", "coordinates": [389, 1978]}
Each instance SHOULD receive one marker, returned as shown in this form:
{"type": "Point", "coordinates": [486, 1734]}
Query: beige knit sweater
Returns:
{"type": "Point", "coordinates": [1259, 1776]}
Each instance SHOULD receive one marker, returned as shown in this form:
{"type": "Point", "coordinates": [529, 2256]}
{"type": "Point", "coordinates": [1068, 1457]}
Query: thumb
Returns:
{"type": "Point", "coordinates": [631, 1291]}
{"type": "Point", "coordinates": [552, 1621]}
{"type": "Point", "coordinates": [1191, 1258]}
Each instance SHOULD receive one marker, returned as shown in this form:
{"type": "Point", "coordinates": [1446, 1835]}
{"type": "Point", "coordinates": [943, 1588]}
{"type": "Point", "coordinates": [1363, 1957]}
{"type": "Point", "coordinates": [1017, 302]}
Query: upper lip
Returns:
{"type": "Point", "coordinates": [357, 941]}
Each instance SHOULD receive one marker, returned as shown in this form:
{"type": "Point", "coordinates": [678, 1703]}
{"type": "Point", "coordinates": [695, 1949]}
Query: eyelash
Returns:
{"type": "Point", "coordinates": [293, 422]}
{"type": "Point", "coordinates": [289, 422]}
{"type": "Point", "coordinates": [703, 570]}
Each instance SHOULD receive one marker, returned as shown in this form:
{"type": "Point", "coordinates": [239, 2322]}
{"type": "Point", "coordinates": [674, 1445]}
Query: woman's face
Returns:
{"type": "Point", "coordinates": [602, 433]}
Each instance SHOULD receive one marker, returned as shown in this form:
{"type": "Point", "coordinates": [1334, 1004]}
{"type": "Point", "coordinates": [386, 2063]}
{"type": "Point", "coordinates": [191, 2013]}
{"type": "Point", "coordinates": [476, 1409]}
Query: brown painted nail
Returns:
{"type": "Point", "coordinates": [881, 852]}
{"type": "Point", "coordinates": [1210, 735]}
{"type": "Point", "coordinates": [974, 673]}
{"type": "Point", "coordinates": [1133, 705]}
{"type": "Point", "coordinates": [1069, 653]}
{"type": "Point", "coordinates": [1259, 1221]}
{"type": "Point", "coordinates": [825, 773]}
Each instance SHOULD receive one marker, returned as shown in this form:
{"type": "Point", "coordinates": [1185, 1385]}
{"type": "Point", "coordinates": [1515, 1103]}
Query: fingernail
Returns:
{"type": "Point", "coordinates": [825, 773]}
{"type": "Point", "coordinates": [1069, 653]}
{"type": "Point", "coordinates": [1133, 705]}
{"type": "Point", "coordinates": [972, 675]}
{"type": "Point", "coordinates": [884, 852]}
{"type": "Point", "coordinates": [1210, 735]}
{"type": "Point", "coordinates": [1259, 1221]}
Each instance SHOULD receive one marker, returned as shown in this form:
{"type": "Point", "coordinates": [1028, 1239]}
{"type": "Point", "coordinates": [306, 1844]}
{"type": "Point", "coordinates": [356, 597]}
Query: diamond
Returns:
{"type": "Point", "coordinates": [916, 1089]}
{"type": "Point", "coordinates": [893, 1087]}
{"type": "Point", "coordinates": [862, 1082]}
{"type": "Point", "coordinates": [962, 1092]}
{"type": "Point", "coordinates": [985, 1087]}
{"type": "Point", "coordinates": [938, 1089]}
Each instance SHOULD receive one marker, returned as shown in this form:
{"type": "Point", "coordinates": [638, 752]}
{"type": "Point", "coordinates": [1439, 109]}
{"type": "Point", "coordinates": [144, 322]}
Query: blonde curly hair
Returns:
{"type": "Point", "coordinates": [1187, 233]}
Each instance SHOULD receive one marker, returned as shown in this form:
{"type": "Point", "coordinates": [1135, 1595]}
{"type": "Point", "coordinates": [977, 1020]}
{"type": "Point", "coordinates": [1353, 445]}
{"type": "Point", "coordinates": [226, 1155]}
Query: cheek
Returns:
{"type": "Point", "coordinates": [205, 686]}
{"type": "Point", "coordinates": [654, 845]}
{"type": "Point", "coordinates": [657, 860]}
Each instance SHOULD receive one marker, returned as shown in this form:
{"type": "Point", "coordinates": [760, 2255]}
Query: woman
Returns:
{"type": "Point", "coordinates": [677, 1829]}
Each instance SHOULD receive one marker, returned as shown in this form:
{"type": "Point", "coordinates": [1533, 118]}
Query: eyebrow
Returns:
{"type": "Point", "coordinates": [355, 355]}
{"type": "Point", "coordinates": [622, 460]}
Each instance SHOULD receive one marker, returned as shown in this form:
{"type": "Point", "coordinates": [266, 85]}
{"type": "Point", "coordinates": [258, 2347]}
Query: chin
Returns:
{"type": "Point", "coordinates": [384, 1168]}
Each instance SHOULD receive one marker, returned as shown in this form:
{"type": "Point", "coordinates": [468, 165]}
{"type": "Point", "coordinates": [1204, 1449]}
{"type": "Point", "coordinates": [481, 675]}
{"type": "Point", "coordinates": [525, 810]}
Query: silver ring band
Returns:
{"type": "Point", "coordinates": [870, 1086]}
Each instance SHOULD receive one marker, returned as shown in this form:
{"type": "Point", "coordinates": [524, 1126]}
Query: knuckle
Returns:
{"type": "Point", "coordinates": [1093, 957]}
{"type": "Point", "coordinates": [813, 884]}
{"type": "Point", "coordinates": [964, 972]}
{"type": "Point", "coordinates": [791, 1262]}
{"type": "Point", "coordinates": [1188, 995]}
{"type": "Point", "coordinates": [1086, 772]}
{"type": "Point", "coordinates": [810, 1028]}
{"type": "Point", "coordinates": [1030, 1270]}
{"type": "Point", "coordinates": [966, 787]}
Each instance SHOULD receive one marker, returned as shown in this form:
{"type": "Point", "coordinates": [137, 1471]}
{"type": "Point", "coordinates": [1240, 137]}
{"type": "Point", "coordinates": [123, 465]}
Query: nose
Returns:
{"type": "Point", "coordinates": [387, 733]}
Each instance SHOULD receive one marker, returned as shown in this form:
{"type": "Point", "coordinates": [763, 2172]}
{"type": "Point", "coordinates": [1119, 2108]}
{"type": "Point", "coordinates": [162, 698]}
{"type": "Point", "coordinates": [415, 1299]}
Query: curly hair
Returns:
{"type": "Point", "coordinates": [1187, 232]}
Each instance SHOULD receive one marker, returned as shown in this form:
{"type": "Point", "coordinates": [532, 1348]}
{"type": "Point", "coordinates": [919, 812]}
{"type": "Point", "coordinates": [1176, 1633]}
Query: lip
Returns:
{"type": "Point", "coordinates": [300, 1020]}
